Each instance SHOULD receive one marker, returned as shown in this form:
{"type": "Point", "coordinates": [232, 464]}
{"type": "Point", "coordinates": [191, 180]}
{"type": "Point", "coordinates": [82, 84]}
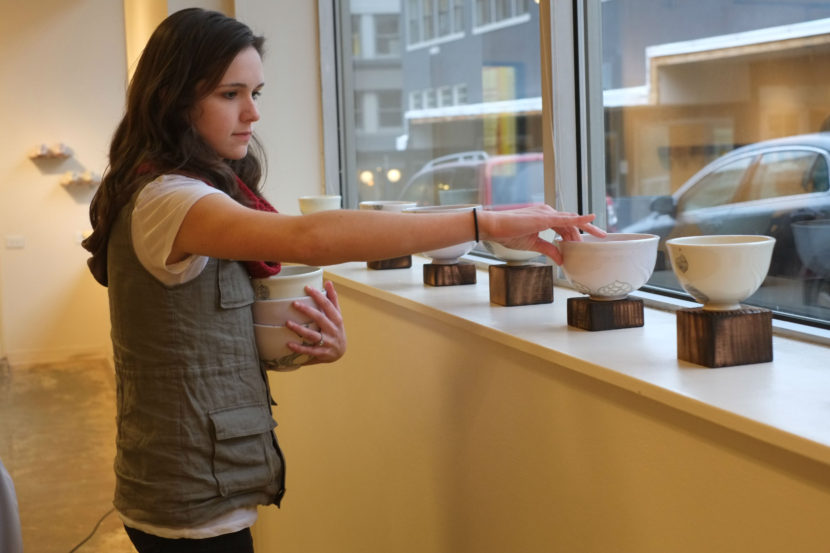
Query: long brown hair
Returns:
{"type": "Point", "coordinates": [184, 60]}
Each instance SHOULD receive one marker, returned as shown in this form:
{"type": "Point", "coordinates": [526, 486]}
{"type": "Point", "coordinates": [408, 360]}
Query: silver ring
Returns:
{"type": "Point", "coordinates": [320, 343]}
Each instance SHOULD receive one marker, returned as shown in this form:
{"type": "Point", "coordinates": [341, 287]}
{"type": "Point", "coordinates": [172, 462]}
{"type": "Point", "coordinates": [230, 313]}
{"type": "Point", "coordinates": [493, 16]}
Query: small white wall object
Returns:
{"type": "Point", "coordinates": [87, 178]}
{"type": "Point", "coordinates": [55, 151]}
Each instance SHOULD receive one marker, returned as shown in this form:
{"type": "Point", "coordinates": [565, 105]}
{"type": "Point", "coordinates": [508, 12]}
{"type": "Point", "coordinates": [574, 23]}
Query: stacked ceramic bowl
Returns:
{"type": "Point", "coordinates": [274, 305]}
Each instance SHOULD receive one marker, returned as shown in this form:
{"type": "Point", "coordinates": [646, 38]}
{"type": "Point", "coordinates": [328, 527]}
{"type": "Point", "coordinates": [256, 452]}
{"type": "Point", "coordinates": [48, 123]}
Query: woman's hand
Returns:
{"type": "Point", "coordinates": [502, 226]}
{"type": "Point", "coordinates": [329, 343]}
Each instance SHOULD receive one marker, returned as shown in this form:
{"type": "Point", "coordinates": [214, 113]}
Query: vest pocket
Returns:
{"type": "Point", "coordinates": [244, 457]}
{"type": "Point", "coordinates": [235, 288]}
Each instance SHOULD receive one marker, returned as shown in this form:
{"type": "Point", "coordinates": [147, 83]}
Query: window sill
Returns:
{"type": "Point", "coordinates": [782, 403]}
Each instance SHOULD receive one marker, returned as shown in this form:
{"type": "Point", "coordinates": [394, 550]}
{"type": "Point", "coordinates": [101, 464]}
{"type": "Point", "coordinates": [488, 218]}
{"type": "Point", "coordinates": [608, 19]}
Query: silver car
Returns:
{"type": "Point", "coordinates": [761, 188]}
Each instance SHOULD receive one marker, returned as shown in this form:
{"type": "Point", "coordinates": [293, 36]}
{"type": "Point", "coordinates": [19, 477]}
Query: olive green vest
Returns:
{"type": "Point", "coordinates": [194, 426]}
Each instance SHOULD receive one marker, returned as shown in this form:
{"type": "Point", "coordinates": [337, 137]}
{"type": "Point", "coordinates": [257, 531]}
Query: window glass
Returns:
{"type": "Point", "coordinates": [413, 19]}
{"type": "Point", "coordinates": [452, 117]}
{"type": "Point", "coordinates": [387, 36]}
{"type": "Point", "coordinates": [389, 109]}
{"type": "Point", "coordinates": [483, 12]}
{"type": "Point", "coordinates": [444, 18]}
{"type": "Point", "coordinates": [359, 98]}
{"type": "Point", "coordinates": [784, 173]}
{"type": "Point", "coordinates": [819, 176]}
{"type": "Point", "coordinates": [518, 182]}
{"type": "Point", "coordinates": [685, 85]}
{"type": "Point", "coordinates": [428, 18]}
{"type": "Point", "coordinates": [716, 188]}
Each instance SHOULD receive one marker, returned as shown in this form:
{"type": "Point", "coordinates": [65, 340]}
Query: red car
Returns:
{"type": "Point", "coordinates": [478, 178]}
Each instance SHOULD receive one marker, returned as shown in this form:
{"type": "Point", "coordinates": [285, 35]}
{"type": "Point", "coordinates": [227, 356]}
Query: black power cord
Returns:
{"type": "Point", "coordinates": [95, 529]}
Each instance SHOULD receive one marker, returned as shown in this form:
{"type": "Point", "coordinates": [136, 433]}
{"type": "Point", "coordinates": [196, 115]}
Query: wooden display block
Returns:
{"type": "Point", "coordinates": [449, 275]}
{"type": "Point", "coordinates": [589, 314]}
{"type": "Point", "coordinates": [724, 338]}
{"type": "Point", "coordinates": [521, 284]}
{"type": "Point", "coordinates": [404, 262]}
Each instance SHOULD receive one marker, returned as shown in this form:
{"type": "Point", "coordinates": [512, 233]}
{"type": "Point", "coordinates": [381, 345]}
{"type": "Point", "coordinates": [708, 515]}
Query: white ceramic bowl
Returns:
{"type": "Point", "coordinates": [516, 257]}
{"type": "Point", "coordinates": [812, 242]}
{"type": "Point", "coordinates": [720, 271]}
{"type": "Point", "coordinates": [276, 312]}
{"type": "Point", "coordinates": [609, 268]}
{"type": "Point", "coordinates": [271, 343]}
{"type": "Point", "coordinates": [386, 205]}
{"type": "Point", "coordinates": [313, 204]}
{"type": "Point", "coordinates": [290, 282]}
{"type": "Point", "coordinates": [451, 254]}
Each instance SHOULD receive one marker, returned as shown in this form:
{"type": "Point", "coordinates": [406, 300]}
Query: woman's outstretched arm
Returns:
{"type": "Point", "coordinates": [217, 226]}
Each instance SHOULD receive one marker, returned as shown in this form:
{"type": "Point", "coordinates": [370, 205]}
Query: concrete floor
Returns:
{"type": "Point", "coordinates": [57, 440]}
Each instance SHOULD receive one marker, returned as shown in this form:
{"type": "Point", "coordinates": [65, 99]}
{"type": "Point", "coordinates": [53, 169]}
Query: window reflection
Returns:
{"type": "Point", "coordinates": [447, 97]}
{"type": "Point", "coordinates": [686, 86]}
{"type": "Point", "coordinates": [455, 112]}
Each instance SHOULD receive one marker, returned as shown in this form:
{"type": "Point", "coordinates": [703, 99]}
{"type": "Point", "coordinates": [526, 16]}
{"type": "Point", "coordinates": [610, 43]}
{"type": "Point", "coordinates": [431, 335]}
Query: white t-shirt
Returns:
{"type": "Point", "coordinates": [157, 215]}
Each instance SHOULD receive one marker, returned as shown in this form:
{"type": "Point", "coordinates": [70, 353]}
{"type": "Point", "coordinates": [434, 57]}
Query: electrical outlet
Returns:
{"type": "Point", "coordinates": [15, 242]}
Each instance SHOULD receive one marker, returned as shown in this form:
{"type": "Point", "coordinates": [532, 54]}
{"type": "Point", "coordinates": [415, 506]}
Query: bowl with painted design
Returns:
{"type": "Point", "coordinates": [272, 345]}
{"type": "Point", "coordinates": [611, 267]}
{"type": "Point", "coordinates": [721, 271]}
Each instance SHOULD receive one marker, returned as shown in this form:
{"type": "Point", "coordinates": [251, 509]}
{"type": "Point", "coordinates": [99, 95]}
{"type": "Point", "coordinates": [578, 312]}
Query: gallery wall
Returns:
{"type": "Point", "coordinates": [64, 67]}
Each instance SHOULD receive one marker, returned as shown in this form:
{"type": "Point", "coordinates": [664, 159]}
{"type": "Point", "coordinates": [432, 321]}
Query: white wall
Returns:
{"type": "Point", "coordinates": [59, 84]}
{"type": "Point", "coordinates": [291, 124]}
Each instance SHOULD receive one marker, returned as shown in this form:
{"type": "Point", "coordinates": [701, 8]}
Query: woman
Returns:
{"type": "Point", "coordinates": [178, 207]}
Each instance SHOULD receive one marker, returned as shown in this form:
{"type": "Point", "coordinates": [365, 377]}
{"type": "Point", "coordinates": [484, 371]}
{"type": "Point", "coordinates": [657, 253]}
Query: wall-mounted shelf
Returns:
{"type": "Point", "coordinates": [55, 151]}
{"type": "Point", "coordinates": [87, 179]}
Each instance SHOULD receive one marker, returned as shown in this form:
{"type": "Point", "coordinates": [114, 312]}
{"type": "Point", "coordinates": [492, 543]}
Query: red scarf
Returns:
{"type": "Point", "coordinates": [258, 269]}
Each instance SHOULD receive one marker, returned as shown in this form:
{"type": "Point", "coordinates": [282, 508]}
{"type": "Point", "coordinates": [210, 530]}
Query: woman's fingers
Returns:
{"type": "Point", "coordinates": [328, 342]}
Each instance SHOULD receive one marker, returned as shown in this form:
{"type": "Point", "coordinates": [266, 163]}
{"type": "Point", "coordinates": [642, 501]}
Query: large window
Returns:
{"type": "Point", "coordinates": [707, 117]}
{"type": "Point", "coordinates": [713, 115]}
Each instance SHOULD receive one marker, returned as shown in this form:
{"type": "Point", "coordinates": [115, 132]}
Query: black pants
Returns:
{"type": "Point", "coordinates": [238, 542]}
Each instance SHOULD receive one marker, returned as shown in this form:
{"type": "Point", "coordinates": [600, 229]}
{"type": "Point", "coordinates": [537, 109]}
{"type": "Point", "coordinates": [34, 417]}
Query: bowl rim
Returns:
{"type": "Point", "coordinates": [442, 208]}
{"type": "Point", "coordinates": [721, 240]}
{"type": "Point", "coordinates": [285, 300]}
{"type": "Point", "coordinates": [616, 238]}
{"type": "Point", "coordinates": [321, 197]}
{"type": "Point", "coordinates": [291, 272]}
{"type": "Point", "coordinates": [387, 202]}
{"type": "Point", "coordinates": [310, 324]}
{"type": "Point", "coordinates": [811, 223]}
